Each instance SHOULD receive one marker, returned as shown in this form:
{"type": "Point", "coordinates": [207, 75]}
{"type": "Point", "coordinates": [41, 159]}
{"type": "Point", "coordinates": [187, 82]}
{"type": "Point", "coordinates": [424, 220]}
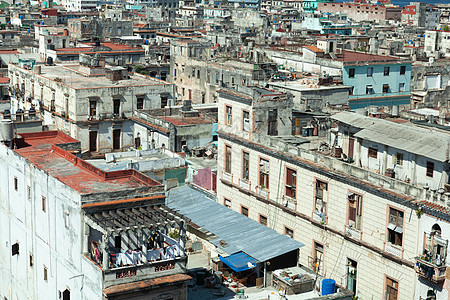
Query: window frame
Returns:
{"type": "Point", "coordinates": [385, 88]}
{"type": "Point", "coordinates": [293, 186]}
{"type": "Point", "coordinates": [244, 210]}
{"type": "Point", "coordinates": [286, 230]}
{"type": "Point", "coordinates": [228, 159]}
{"type": "Point", "coordinates": [228, 115]}
{"type": "Point", "coordinates": [44, 204]}
{"type": "Point", "coordinates": [357, 225]}
{"type": "Point", "coordinates": [402, 70]}
{"type": "Point", "coordinates": [387, 71]}
{"type": "Point", "coordinates": [324, 206]}
{"type": "Point", "coordinates": [16, 183]}
{"type": "Point", "coordinates": [370, 74]}
{"type": "Point", "coordinates": [262, 217]}
{"type": "Point", "coordinates": [245, 174]}
{"type": "Point", "coordinates": [225, 200]}
{"type": "Point", "coordinates": [261, 174]}
{"type": "Point", "coordinates": [391, 232]}
{"type": "Point", "coordinates": [351, 72]}
{"type": "Point", "coordinates": [244, 120]}
{"type": "Point", "coordinates": [386, 279]}
{"type": "Point", "coordinates": [372, 152]}
{"type": "Point", "coordinates": [429, 169]}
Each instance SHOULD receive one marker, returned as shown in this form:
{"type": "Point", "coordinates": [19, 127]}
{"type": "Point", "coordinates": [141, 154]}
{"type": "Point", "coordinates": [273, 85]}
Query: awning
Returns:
{"type": "Point", "coordinates": [239, 261]}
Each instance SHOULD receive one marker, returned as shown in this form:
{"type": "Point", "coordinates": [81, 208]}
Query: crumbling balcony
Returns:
{"type": "Point", "coordinates": [429, 270]}
{"type": "Point", "coordinates": [135, 243]}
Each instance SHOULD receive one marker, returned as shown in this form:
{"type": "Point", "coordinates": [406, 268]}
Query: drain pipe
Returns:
{"type": "Point", "coordinates": [265, 272]}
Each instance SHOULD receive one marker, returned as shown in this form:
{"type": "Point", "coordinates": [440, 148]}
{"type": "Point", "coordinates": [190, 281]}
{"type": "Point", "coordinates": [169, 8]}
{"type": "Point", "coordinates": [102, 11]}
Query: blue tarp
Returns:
{"type": "Point", "coordinates": [239, 261]}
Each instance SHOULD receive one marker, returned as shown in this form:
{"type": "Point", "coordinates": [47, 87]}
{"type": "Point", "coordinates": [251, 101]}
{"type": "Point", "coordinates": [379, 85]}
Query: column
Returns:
{"type": "Point", "coordinates": [182, 239]}
{"type": "Point", "coordinates": [144, 246]}
{"type": "Point", "coordinates": [85, 244]}
{"type": "Point", "coordinates": [103, 248]}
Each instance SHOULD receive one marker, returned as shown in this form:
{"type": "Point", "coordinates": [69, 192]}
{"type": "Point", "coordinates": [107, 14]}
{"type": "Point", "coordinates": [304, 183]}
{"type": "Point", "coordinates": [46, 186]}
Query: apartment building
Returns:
{"type": "Point", "coordinates": [72, 231]}
{"type": "Point", "coordinates": [362, 12]}
{"type": "Point", "coordinates": [359, 227]}
{"type": "Point", "coordinates": [88, 101]}
{"type": "Point", "coordinates": [437, 43]}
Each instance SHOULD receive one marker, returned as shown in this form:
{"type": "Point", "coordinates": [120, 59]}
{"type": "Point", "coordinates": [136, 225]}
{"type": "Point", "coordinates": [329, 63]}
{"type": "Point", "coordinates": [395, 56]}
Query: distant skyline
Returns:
{"type": "Point", "coordinates": [406, 2]}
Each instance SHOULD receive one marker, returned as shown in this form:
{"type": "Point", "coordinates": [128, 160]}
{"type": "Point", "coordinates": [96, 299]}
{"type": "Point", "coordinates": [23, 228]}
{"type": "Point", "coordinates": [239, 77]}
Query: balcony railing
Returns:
{"type": "Point", "coordinates": [430, 271]}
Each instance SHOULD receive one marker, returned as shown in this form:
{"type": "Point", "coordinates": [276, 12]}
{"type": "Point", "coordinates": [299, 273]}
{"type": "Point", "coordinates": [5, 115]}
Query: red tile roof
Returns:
{"type": "Point", "coordinates": [181, 121]}
{"type": "Point", "coordinates": [4, 80]}
{"type": "Point", "coordinates": [40, 148]}
{"type": "Point", "coordinates": [9, 52]}
{"type": "Point", "coordinates": [351, 56]}
{"type": "Point", "coordinates": [99, 204]}
{"type": "Point", "coordinates": [313, 48]}
{"type": "Point", "coordinates": [433, 206]}
{"type": "Point", "coordinates": [146, 284]}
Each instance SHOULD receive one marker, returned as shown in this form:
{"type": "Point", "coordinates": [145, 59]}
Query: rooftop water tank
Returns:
{"type": "Point", "coordinates": [328, 287]}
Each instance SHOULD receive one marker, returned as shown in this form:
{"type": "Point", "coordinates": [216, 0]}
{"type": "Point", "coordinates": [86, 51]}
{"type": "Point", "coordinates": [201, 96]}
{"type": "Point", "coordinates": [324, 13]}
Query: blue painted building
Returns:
{"type": "Point", "coordinates": [376, 80]}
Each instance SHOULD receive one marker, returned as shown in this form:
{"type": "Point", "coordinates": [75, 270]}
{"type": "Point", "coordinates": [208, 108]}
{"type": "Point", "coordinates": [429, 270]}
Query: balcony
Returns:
{"type": "Point", "coordinates": [135, 243]}
{"type": "Point", "coordinates": [430, 271]}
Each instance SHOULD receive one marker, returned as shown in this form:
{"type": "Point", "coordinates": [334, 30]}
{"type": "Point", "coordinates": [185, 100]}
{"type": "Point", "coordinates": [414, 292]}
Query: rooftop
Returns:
{"type": "Point", "coordinates": [352, 56]}
{"type": "Point", "coordinates": [183, 121]}
{"type": "Point", "coordinates": [74, 77]}
{"type": "Point", "coordinates": [40, 148]}
{"type": "Point", "coordinates": [232, 232]}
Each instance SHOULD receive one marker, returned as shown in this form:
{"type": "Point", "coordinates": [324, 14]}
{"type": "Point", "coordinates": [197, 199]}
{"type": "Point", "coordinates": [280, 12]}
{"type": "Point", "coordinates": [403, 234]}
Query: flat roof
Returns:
{"type": "Point", "coordinates": [352, 56]}
{"type": "Point", "coordinates": [184, 121]}
{"type": "Point", "coordinates": [73, 77]}
{"type": "Point", "coordinates": [232, 231]}
{"type": "Point", "coordinates": [40, 149]}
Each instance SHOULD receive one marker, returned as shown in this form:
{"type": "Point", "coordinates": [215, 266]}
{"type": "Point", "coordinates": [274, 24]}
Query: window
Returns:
{"type": "Point", "coordinates": [140, 102]}
{"type": "Point", "coordinates": [229, 115]}
{"type": "Point", "coordinates": [116, 107]}
{"type": "Point", "coordinates": [351, 73]}
{"type": "Point", "coordinates": [163, 101]}
{"type": "Point", "coordinates": [28, 193]}
{"type": "Point", "coordinates": [291, 183]}
{"type": "Point", "coordinates": [228, 159]}
{"type": "Point", "coordinates": [16, 183]}
{"type": "Point", "coordinates": [66, 219]}
{"type": "Point", "coordinates": [402, 70]}
{"type": "Point", "coordinates": [385, 88]}
{"type": "Point", "coordinates": [116, 139]}
{"type": "Point", "coordinates": [317, 256]}
{"type": "Point", "coordinates": [244, 210]}
{"type": "Point", "coordinates": [391, 289]}
{"type": "Point", "coordinates": [31, 260]}
{"type": "Point", "coordinates": [66, 295]}
{"type": "Point", "coordinates": [352, 267]}
{"type": "Point", "coordinates": [401, 87]}
{"type": "Point", "coordinates": [350, 91]}
{"type": "Point", "coordinates": [289, 232]}
{"type": "Point", "coordinates": [15, 249]}
{"type": "Point", "coordinates": [387, 71]}
{"type": "Point", "coordinates": [430, 169]}
{"type": "Point", "coordinates": [262, 220]}
{"type": "Point", "coordinates": [373, 152]}
{"type": "Point", "coordinates": [264, 173]}
{"type": "Point", "coordinates": [321, 197]}
{"type": "Point", "coordinates": [398, 159]}
{"type": "Point", "coordinates": [44, 206]}
{"type": "Point", "coordinates": [354, 210]}
{"type": "Point", "coordinates": [369, 71]}
{"type": "Point", "coordinates": [369, 90]}
{"type": "Point", "coordinates": [93, 108]}
{"type": "Point", "coordinates": [227, 203]}
{"type": "Point", "coordinates": [395, 227]}
{"type": "Point", "coordinates": [45, 273]}
{"type": "Point", "coordinates": [245, 165]}
{"type": "Point", "coordinates": [246, 121]}
{"type": "Point", "coordinates": [272, 128]}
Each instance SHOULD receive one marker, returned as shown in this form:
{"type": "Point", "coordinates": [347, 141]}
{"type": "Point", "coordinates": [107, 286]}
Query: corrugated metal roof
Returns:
{"type": "Point", "coordinates": [239, 232]}
{"type": "Point", "coordinates": [424, 142]}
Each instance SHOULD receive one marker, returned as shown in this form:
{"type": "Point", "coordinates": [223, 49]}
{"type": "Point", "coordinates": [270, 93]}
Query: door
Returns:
{"type": "Point", "coordinates": [351, 146]}
{"type": "Point", "coordinates": [391, 289]}
{"type": "Point", "coordinates": [93, 141]}
{"type": "Point", "coordinates": [116, 139]}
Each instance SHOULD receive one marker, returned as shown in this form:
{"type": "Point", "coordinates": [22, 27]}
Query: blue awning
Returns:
{"type": "Point", "coordinates": [239, 261]}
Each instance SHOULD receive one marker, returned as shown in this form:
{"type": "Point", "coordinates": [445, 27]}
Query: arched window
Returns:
{"type": "Point", "coordinates": [436, 229]}
{"type": "Point", "coordinates": [66, 294]}
{"type": "Point", "coordinates": [430, 294]}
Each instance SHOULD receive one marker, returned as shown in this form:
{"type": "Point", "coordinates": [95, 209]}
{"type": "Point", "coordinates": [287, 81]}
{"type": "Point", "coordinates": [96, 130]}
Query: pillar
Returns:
{"type": "Point", "coordinates": [85, 243]}
{"type": "Point", "coordinates": [105, 261]}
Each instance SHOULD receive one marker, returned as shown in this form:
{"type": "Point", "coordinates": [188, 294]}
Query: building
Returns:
{"type": "Point", "coordinates": [89, 101]}
{"type": "Point", "coordinates": [67, 227]}
{"type": "Point", "coordinates": [422, 15]}
{"type": "Point", "coordinates": [362, 12]}
{"type": "Point", "coordinates": [99, 27]}
{"type": "Point", "coordinates": [376, 80]}
{"type": "Point", "coordinates": [358, 227]}
{"type": "Point", "coordinates": [310, 6]}
{"type": "Point", "coordinates": [437, 43]}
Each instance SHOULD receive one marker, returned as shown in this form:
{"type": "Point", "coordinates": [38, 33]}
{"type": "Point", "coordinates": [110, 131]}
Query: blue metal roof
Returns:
{"type": "Point", "coordinates": [240, 233]}
{"type": "Point", "coordinates": [239, 262]}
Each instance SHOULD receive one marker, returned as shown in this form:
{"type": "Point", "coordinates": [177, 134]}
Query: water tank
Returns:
{"type": "Point", "coordinates": [49, 60]}
{"type": "Point", "coordinates": [37, 69]}
{"type": "Point", "coordinates": [6, 130]}
{"type": "Point", "coordinates": [361, 111]}
{"type": "Point", "coordinates": [328, 287]}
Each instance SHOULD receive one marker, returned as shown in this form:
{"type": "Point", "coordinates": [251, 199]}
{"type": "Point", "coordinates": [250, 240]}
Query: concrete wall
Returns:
{"type": "Point", "coordinates": [42, 235]}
